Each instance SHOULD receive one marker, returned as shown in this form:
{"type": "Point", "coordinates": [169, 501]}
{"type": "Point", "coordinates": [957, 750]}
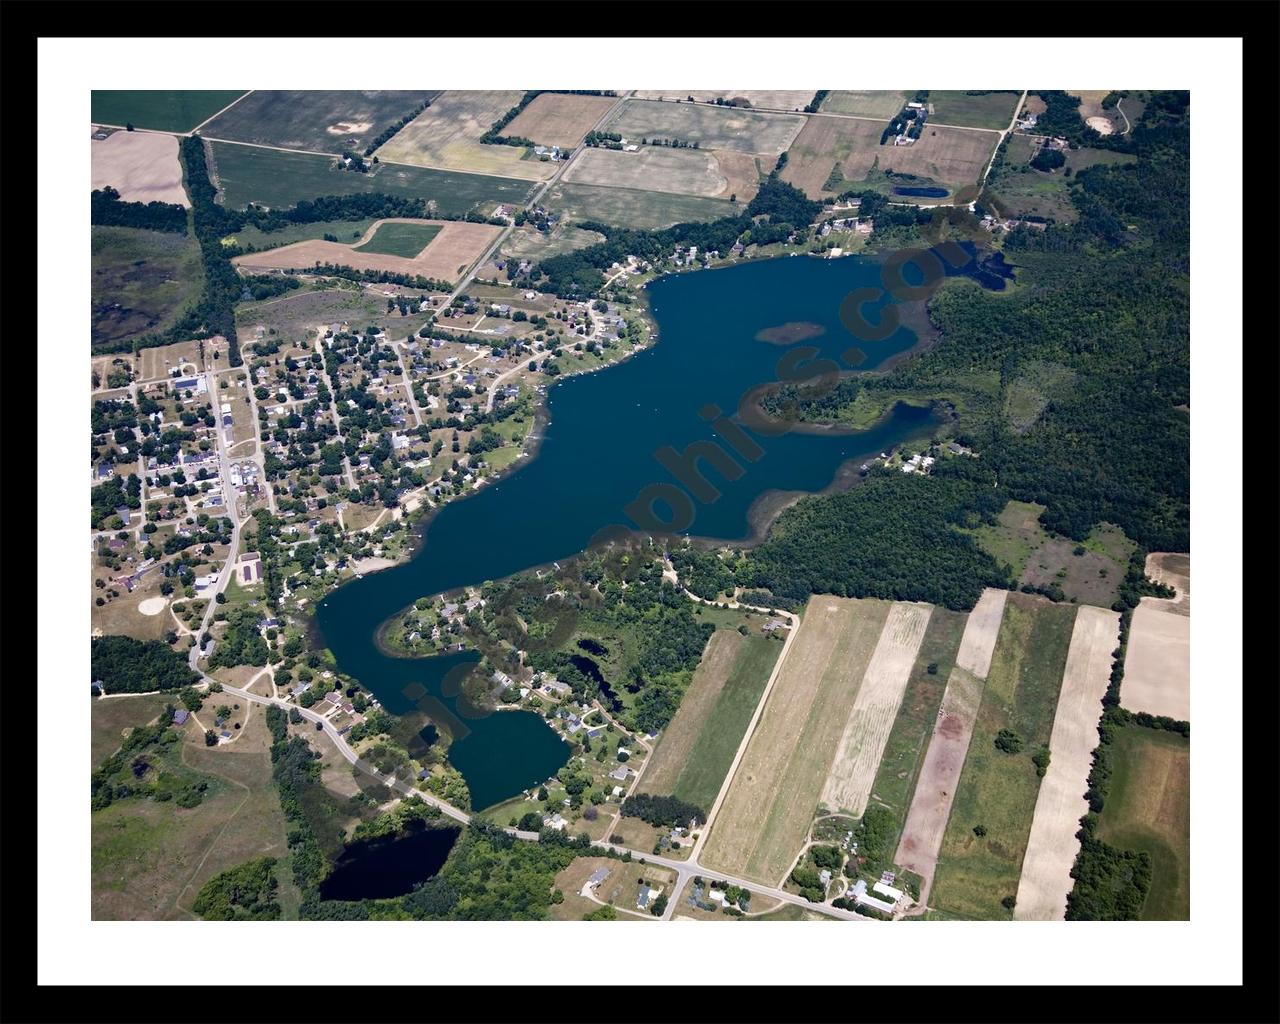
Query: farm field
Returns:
{"type": "Point", "coordinates": [632, 208]}
{"type": "Point", "coordinates": [871, 718]}
{"type": "Point", "coordinates": [697, 748]}
{"type": "Point", "coordinates": [1148, 809]}
{"type": "Point", "coordinates": [399, 238]}
{"type": "Point", "coordinates": [141, 281]}
{"type": "Point", "coordinates": [150, 859]}
{"type": "Point", "coordinates": [1157, 664]}
{"type": "Point", "coordinates": [867, 103]}
{"type": "Point", "coordinates": [918, 711]}
{"type": "Point", "coordinates": [454, 248]}
{"type": "Point", "coordinates": [1052, 846]}
{"type": "Point", "coordinates": [163, 110]}
{"type": "Point", "coordinates": [1039, 558]}
{"type": "Point", "coordinates": [248, 174]}
{"type": "Point", "coordinates": [992, 110]}
{"type": "Point", "coordinates": [322, 120]}
{"type": "Point", "coordinates": [252, 238]}
{"type": "Point", "coordinates": [447, 135]}
{"type": "Point", "coordinates": [528, 243]}
{"type": "Point", "coordinates": [773, 796]}
{"type": "Point", "coordinates": [654, 168]}
{"type": "Point", "coordinates": [711, 127]}
{"type": "Point", "coordinates": [143, 167]}
{"type": "Point", "coordinates": [559, 119]}
{"type": "Point", "coordinates": [949, 742]}
{"type": "Point", "coordinates": [998, 790]}
{"type": "Point", "coordinates": [776, 99]}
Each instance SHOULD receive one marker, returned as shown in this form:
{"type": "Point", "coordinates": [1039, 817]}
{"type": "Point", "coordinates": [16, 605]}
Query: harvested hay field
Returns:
{"type": "Point", "coordinates": [882, 103]}
{"type": "Point", "coordinates": [954, 157]}
{"type": "Point", "coordinates": [1157, 664]}
{"type": "Point", "coordinates": [998, 788]}
{"type": "Point", "coordinates": [935, 789]}
{"type": "Point", "coordinates": [323, 120]}
{"type": "Point", "coordinates": [698, 746]}
{"type": "Point", "coordinates": [163, 110]}
{"type": "Point", "coordinates": [447, 135]}
{"type": "Point", "coordinates": [1148, 809]}
{"type": "Point", "coordinates": [776, 99]}
{"type": "Point", "coordinates": [733, 128]}
{"type": "Point", "coordinates": [871, 718]}
{"type": "Point", "coordinates": [772, 799]}
{"type": "Point", "coordinates": [456, 247]}
{"type": "Point", "coordinates": [528, 243]}
{"type": "Point", "coordinates": [685, 171]}
{"type": "Point", "coordinates": [992, 110]}
{"type": "Point", "coordinates": [824, 146]}
{"type": "Point", "coordinates": [142, 166]}
{"type": "Point", "coordinates": [633, 208]}
{"type": "Point", "coordinates": [559, 119]}
{"type": "Point", "coordinates": [1052, 846]}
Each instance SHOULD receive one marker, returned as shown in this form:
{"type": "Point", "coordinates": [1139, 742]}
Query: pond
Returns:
{"type": "Point", "coordinates": [922, 191]}
{"type": "Point", "coordinates": [387, 867]}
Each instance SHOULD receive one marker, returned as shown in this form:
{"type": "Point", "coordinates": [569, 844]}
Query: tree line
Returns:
{"type": "Point", "coordinates": [108, 209]}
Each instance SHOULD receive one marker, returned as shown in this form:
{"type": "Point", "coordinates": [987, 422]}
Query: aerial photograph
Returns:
{"type": "Point", "coordinates": [652, 505]}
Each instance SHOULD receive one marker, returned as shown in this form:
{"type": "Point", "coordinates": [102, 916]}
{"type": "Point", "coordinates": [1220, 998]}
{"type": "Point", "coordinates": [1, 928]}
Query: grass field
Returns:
{"type": "Point", "coordinates": [992, 110]}
{"type": "Point", "coordinates": [141, 281]}
{"type": "Point", "coordinates": [775, 791]}
{"type": "Point", "coordinates": [1149, 808]}
{"type": "Point", "coordinates": [559, 119]}
{"type": "Point", "coordinates": [697, 748]}
{"type": "Point", "coordinates": [447, 135]}
{"type": "Point", "coordinates": [1034, 556]}
{"type": "Point", "coordinates": [528, 243]}
{"type": "Point", "coordinates": [347, 231]}
{"type": "Point", "coordinates": [323, 120]}
{"type": "Point", "coordinates": [165, 110]}
{"type": "Point", "coordinates": [247, 174]}
{"type": "Point", "coordinates": [294, 314]}
{"type": "Point", "coordinates": [732, 128]}
{"type": "Point", "coordinates": [867, 102]}
{"type": "Point", "coordinates": [998, 790]}
{"type": "Point", "coordinates": [149, 859]}
{"type": "Point", "coordinates": [396, 238]}
{"type": "Point", "coordinates": [111, 719]}
{"type": "Point", "coordinates": [632, 208]}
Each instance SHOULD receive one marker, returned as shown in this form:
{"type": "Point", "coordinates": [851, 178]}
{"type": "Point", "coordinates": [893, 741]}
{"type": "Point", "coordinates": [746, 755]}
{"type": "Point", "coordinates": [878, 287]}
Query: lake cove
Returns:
{"type": "Point", "coordinates": [598, 453]}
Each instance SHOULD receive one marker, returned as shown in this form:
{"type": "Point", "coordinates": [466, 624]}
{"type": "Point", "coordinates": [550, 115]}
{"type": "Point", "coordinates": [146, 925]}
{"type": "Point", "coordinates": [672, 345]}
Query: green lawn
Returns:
{"type": "Point", "coordinates": [703, 775]}
{"type": "Point", "coordinates": [1148, 808]}
{"type": "Point", "coordinates": [248, 174]}
{"type": "Point", "coordinates": [166, 110]}
{"type": "Point", "coordinates": [998, 790]}
{"type": "Point", "coordinates": [405, 240]}
{"type": "Point", "coordinates": [909, 739]}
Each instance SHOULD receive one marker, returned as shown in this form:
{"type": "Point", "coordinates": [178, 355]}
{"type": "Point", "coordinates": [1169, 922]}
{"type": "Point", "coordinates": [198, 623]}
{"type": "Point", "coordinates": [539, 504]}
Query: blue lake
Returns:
{"type": "Point", "coordinates": [596, 455]}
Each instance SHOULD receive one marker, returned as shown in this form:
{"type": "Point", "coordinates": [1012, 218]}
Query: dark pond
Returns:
{"type": "Point", "coordinates": [923, 191]}
{"type": "Point", "coordinates": [593, 646]}
{"type": "Point", "coordinates": [388, 867]}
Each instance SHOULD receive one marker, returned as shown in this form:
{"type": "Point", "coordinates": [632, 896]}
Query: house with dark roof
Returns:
{"type": "Point", "coordinates": [180, 717]}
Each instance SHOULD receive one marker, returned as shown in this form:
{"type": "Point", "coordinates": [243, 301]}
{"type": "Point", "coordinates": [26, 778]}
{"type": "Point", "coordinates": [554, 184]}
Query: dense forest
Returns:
{"type": "Point", "coordinates": [246, 892]}
{"type": "Point", "coordinates": [107, 208]}
{"type": "Point", "coordinates": [126, 665]}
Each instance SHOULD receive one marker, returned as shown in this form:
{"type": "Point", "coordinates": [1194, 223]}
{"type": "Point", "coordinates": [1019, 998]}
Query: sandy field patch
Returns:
{"type": "Point", "coordinates": [142, 166]}
{"type": "Point", "coordinates": [980, 633]}
{"type": "Point", "coordinates": [870, 720]}
{"type": "Point", "coordinates": [1157, 666]}
{"type": "Point", "coordinates": [1099, 124]}
{"type": "Point", "coordinates": [153, 605]}
{"type": "Point", "coordinates": [743, 172]}
{"type": "Point", "coordinates": [559, 119]}
{"type": "Point", "coordinates": [771, 801]}
{"type": "Point", "coordinates": [656, 168]}
{"type": "Point", "coordinates": [931, 803]}
{"type": "Point", "coordinates": [668, 761]}
{"type": "Point", "coordinates": [446, 258]}
{"type": "Point", "coordinates": [349, 128]}
{"type": "Point", "coordinates": [1052, 845]}
{"type": "Point", "coordinates": [1173, 570]}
